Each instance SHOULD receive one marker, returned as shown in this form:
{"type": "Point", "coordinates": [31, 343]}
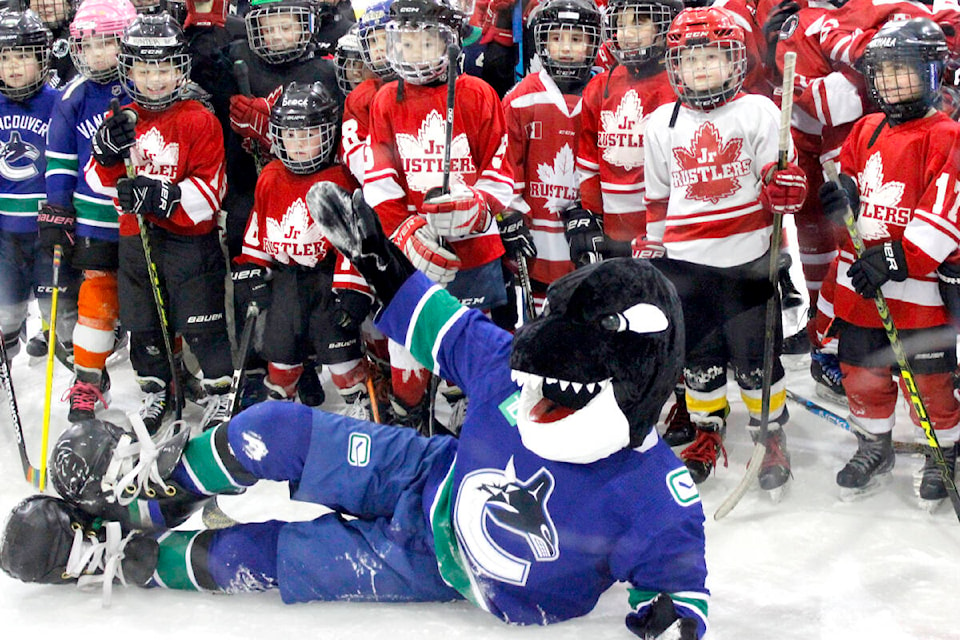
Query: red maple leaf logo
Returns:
{"type": "Point", "coordinates": [709, 168]}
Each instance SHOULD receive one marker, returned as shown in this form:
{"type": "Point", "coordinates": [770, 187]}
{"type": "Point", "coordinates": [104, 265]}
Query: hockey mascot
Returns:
{"type": "Point", "coordinates": [557, 488]}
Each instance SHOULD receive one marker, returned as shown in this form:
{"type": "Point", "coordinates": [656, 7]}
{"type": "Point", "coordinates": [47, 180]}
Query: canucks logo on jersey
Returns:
{"type": "Point", "coordinates": [18, 159]}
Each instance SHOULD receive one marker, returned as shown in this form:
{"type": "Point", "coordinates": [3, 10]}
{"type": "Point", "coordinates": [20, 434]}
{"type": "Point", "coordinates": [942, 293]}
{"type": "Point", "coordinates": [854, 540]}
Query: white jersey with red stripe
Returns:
{"type": "Point", "coordinates": [703, 180]}
{"type": "Point", "coordinates": [616, 108]}
{"type": "Point", "coordinates": [909, 180]}
{"type": "Point", "coordinates": [407, 140]}
{"type": "Point", "coordinates": [355, 130]}
{"type": "Point", "coordinates": [542, 128]}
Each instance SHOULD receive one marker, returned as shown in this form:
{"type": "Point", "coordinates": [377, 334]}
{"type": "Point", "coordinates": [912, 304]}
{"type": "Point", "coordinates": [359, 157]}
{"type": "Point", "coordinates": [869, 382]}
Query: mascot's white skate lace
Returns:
{"type": "Point", "coordinates": [96, 563]}
{"type": "Point", "coordinates": [145, 450]}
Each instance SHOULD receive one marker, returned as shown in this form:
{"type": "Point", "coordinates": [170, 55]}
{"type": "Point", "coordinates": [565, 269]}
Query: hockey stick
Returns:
{"type": "Point", "coordinates": [837, 420]}
{"type": "Point", "coordinates": [453, 59]}
{"type": "Point", "coordinates": [30, 472]}
{"type": "Point", "coordinates": [519, 70]}
{"type": "Point", "coordinates": [241, 73]}
{"type": "Point", "coordinates": [906, 371]}
{"type": "Point", "coordinates": [773, 303]}
{"type": "Point", "coordinates": [155, 287]}
{"type": "Point", "coordinates": [526, 287]}
{"type": "Point", "coordinates": [243, 351]}
{"type": "Point", "coordinates": [48, 389]}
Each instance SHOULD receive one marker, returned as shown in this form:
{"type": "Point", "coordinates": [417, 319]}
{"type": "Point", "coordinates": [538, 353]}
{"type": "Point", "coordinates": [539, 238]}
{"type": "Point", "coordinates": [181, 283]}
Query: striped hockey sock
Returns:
{"type": "Point", "coordinates": [209, 467]}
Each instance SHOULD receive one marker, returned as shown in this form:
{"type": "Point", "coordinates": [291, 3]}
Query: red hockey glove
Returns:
{"type": "Point", "coordinates": [250, 117]}
{"type": "Point", "coordinates": [647, 249]}
{"type": "Point", "coordinates": [422, 247]}
{"type": "Point", "coordinates": [783, 190]}
{"type": "Point", "coordinates": [459, 213]}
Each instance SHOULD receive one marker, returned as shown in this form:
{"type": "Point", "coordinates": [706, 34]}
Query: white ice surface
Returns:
{"type": "Point", "coordinates": [810, 567]}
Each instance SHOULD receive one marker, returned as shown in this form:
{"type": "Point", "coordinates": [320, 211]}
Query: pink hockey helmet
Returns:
{"type": "Point", "coordinates": [103, 22]}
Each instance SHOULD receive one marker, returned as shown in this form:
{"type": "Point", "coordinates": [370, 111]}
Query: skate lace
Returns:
{"type": "Point", "coordinates": [95, 563]}
{"type": "Point", "coordinates": [705, 448]}
{"type": "Point", "coordinates": [217, 407]}
{"type": "Point", "coordinates": [154, 404]}
{"type": "Point", "coordinates": [145, 451]}
{"type": "Point", "coordinates": [866, 458]}
{"type": "Point", "coordinates": [677, 416]}
{"type": "Point", "coordinates": [357, 406]}
{"type": "Point", "coordinates": [84, 396]}
{"type": "Point", "coordinates": [829, 366]}
{"type": "Point", "coordinates": [774, 457]}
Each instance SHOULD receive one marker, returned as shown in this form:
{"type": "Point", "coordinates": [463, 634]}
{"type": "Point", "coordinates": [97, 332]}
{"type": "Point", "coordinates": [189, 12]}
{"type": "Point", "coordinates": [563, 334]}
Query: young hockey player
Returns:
{"type": "Point", "coordinates": [543, 121]}
{"type": "Point", "coordinates": [552, 493]}
{"type": "Point", "coordinates": [175, 149]}
{"type": "Point", "coordinates": [712, 186]}
{"type": "Point", "coordinates": [407, 146]}
{"type": "Point", "coordinates": [56, 16]}
{"type": "Point", "coordinates": [76, 216]}
{"type": "Point", "coordinates": [26, 103]}
{"type": "Point", "coordinates": [283, 239]}
{"type": "Point", "coordinates": [348, 61]}
{"type": "Point", "coordinates": [907, 219]}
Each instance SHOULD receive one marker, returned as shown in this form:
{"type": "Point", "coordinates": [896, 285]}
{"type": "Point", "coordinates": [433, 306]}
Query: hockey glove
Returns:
{"type": "Point", "coordinates": [515, 236]}
{"type": "Point", "coordinates": [646, 249]}
{"type": "Point", "coordinates": [148, 196]}
{"type": "Point", "coordinates": [352, 226]}
{"type": "Point", "coordinates": [421, 245]}
{"type": "Point", "coordinates": [584, 233]}
{"type": "Point", "coordinates": [834, 199]}
{"type": "Point", "coordinates": [784, 190]}
{"type": "Point", "coordinates": [877, 265]}
{"type": "Point", "coordinates": [250, 117]}
{"type": "Point", "coordinates": [112, 141]}
{"type": "Point", "coordinates": [456, 214]}
{"type": "Point", "coordinates": [57, 225]}
{"type": "Point", "coordinates": [250, 285]}
{"type": "Point", "coordinates": [350, 309]}
{"type": "Point", "coordinates": [660, 621]}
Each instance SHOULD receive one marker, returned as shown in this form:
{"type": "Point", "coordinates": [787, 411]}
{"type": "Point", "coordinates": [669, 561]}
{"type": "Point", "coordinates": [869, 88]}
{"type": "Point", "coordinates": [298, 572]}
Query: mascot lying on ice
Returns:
{"type": "Point", "coordinates": [557, 488]}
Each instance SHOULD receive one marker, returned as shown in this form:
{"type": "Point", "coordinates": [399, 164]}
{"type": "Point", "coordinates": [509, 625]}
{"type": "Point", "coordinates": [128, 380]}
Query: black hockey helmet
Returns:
{"type": "Point", "coordinates": [918, 43]}
{"type": "Point", "coordinates": [309, 115]}
{"type": "Point", "coordinates": [621, 15]}
{"type": "Point", "coordinates": [580, 17]}
{"type": "Point", "coordinates": [435, 25]}
{"type": "Point", "coordinates": [23, 30]}
{"type": "Point", "coordinates": [153, 41]}
{"type": "Point", "coordinates": [281, 31]}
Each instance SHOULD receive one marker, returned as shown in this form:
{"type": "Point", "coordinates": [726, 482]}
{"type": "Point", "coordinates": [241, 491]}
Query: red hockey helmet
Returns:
{"type": "Point", "coordinates": [706, 57]}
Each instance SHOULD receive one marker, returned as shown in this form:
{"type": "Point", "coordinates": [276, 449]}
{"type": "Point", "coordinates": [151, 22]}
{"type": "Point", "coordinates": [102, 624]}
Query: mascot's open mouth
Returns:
{"type": "Point", "coordinates": [557, 398]}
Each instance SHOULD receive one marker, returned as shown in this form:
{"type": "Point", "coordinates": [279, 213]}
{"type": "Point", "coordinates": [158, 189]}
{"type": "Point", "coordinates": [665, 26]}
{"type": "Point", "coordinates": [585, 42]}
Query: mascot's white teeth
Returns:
{"type": "Point", "coordinates": [522, 378]}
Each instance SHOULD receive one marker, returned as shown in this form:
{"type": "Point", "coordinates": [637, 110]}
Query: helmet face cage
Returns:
{"type": "Point", "coordinates": [154, 62]}
{"type": "Point", "coordinates": [904, 68]}
{"type": "Point", "coordinates": [95, 56]}
{"type": "Point", "coordinates": [53, 13]}
{"type": "Point", "coordinates": [304, 127]}
{"type": "Point", "coordinates": [417, 51]}
{"type": "Point", "coordinates": [566, 42]}
{"type": "Point", "coordinates": [371, 28]}
{"type": "Point", "coordinates": [25, 54]}
{"type": "Point", "coordinates": [279, 33]}
{"type": "Point", "coordinates": [349, 65]}
{"type": "Point", "coordinates": [705, 76]}
{"type": "Point", "coordinates": [95, 37]}
{"type": "Point", "coordinates": [637, 30]}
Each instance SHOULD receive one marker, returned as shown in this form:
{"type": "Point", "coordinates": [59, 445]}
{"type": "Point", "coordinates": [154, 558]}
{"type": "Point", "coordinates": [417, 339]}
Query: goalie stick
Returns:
{"type": "Point", "coordinates": [773, 304]}
{"type": "Point", "coordinates": [30, 472]}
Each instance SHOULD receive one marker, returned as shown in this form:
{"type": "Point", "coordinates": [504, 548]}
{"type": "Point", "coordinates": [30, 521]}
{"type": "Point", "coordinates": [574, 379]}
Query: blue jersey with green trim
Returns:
{"type": "Point", "coordinates": [23, 137]}
{"type": "Point", "coordinates": [536, 541]}
{"type": "Point", "coordinates": [75, 119]}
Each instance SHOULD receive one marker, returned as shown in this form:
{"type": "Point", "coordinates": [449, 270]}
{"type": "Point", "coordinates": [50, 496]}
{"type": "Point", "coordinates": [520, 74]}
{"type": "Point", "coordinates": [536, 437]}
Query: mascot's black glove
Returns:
{"type": "Point", "coordinates": [350, 309]}
{"type": "Point", "coordinates": [352, 226]}
{"type": "Point", "coordinates": [835, 198]}
{"type": "Point", "coordinates": [660, 619]}
{"type": "Point", "coordinates": [112, 141]}
{"type": "Point", "coordinates": [515, 235]}
{"type": "Point", "coordinates": [584, 233]}
{"type": "Point", "coordinates": [877, 265]}
{"type": "Point", "coordinates": [57, 225]}
{"type": "Point", "coordinates": [148, 196]}
{"type": "Point", "coordinates": [250, 286]}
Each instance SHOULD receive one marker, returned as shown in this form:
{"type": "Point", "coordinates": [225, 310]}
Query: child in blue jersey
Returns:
{"type": "Point", "coordinates": [25, 106]}
{"type": "Point", "coordinates": [82, 221]}
{"type": "Point", "coordinates": [557, 488]}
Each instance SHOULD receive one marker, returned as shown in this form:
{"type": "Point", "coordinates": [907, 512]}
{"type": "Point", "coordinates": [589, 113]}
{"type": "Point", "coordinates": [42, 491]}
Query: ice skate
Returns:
{"type": "Point", "coordinates": [217, 403]}
{"type": "Point", "coordinates": [797, 344]}
{"type": "Point", "coordinates": [89, 388]}
{"type": "Point", "coordinates": [869, 468]}
{"type": "Point", "coordinates": [701, 456]}
{"type": "Point", "coordinates": [775, 469]}
{"type": "Point", "coordinates": [37, 347]}
{"type": "Point", "coordinates": [310, 389]}
{"type": "Point", "coordinates": [932, 491]}
{"type": "Point", "coordinates": [825, 369]}
{"type": "Point", "coordinates": [49, 540]}
{"type": "Point", "coordinates": [155, 404]}
{"type": "Point", "coordinates": [680, 430]}
{"type": "Point", "coordinates": [356, 403]}
{"type": "Point", "coordinates": [253, 390]}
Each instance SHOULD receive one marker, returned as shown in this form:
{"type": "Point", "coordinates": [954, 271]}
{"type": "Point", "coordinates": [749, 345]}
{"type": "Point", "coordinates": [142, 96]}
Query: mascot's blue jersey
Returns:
{"type": "Point", "coordinates": [23, 138]}
{"type": "Point", "coordinates": [75, 119]}
{"type": "Point", "coordinates": [536, 541]}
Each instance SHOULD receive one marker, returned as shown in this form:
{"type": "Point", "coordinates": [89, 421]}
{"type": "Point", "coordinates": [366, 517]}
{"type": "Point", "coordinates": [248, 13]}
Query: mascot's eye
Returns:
{"type": "Point", "coordinates": [640, 318]}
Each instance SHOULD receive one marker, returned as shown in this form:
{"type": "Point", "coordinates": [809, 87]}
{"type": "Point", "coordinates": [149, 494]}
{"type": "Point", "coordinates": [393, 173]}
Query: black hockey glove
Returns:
{"type": "Point", "coordinates": [515, 235]}
{"type": "Point", "coordinates": [584, 233]}
{"type": "Point", "coordinates": [772, 27]}
{"type": "Point", "coordinates": [57, 225]}
{"type": "Point", "coordinates": [250, 286]}
{"type": "Point", "coordinates": [352, 226]}
{"type": "Point", "coordinates": [659, 619]}
{"type": "Point", "coordinates": [148, 196]}
{"type": "Point", "coordinates": [350, 309]}
{"type": "Point", "coordinates": [112, 141]}
{"type": "Point", "coordinates": [835, 198]}
{"type": "Point", "coordinates": [877, 265]}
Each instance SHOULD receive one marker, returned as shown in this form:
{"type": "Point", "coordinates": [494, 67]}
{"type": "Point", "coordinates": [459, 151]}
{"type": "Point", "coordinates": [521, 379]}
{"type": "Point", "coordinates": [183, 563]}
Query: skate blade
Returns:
{"type": "Point", "coordinates": [930, 506]}
{"type": "Point", "coordinates": [853, 494]}
{"type": "Point", "coordinates": [827, 394]}
{"type": "Point", "coordinates": [36, 360]}
{"type": "Point", "coordinates": [777, 494]}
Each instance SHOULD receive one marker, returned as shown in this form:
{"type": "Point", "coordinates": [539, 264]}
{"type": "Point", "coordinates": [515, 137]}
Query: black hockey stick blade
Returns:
{"type": "Point", "coordinates": [30, 472]}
